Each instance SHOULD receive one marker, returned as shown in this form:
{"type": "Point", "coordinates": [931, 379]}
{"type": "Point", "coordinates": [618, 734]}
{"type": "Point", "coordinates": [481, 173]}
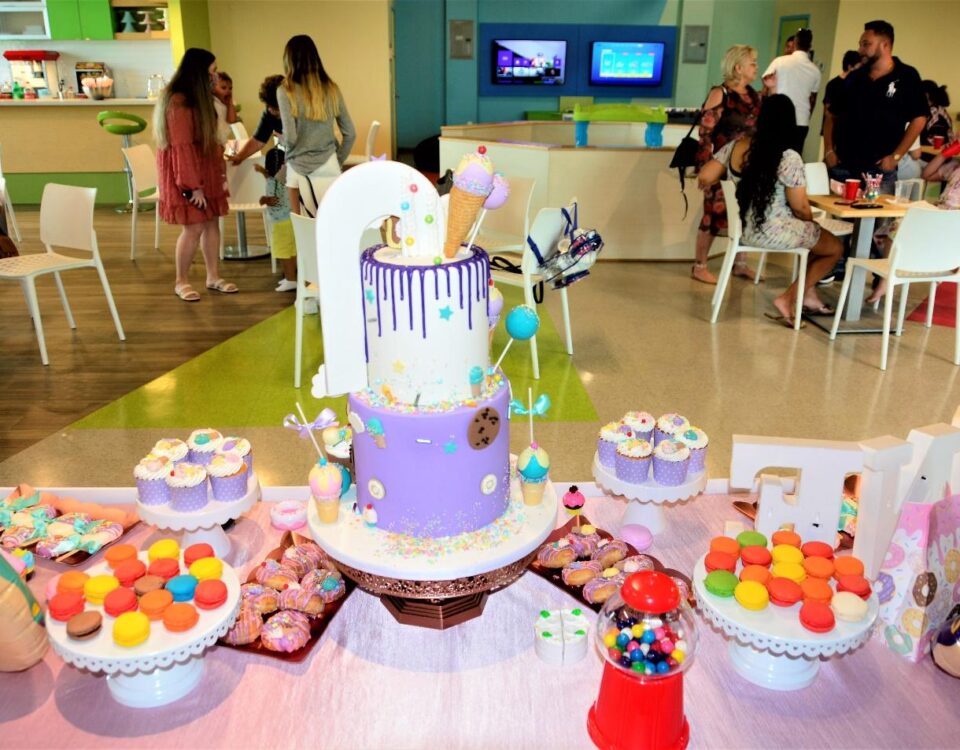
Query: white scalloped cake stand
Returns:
{"type": "Point", "coordinates": [648, 497]}
{"type": "Point", "coordinates": [770, 648]}
{"type": "Point", "coordinates": [203, 525]}
{"type": "Point", "coordinates": [162, 669]}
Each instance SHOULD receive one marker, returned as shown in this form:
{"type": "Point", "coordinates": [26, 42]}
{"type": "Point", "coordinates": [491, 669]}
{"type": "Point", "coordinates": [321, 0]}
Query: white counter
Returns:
{"type": "Point", "coordinates": [102, 103]}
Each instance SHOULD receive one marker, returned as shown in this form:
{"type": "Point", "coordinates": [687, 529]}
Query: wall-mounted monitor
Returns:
{"type": "Point", "coordinates": [529, 62]}
{"type": "Point", "coordinates": [627, 63]}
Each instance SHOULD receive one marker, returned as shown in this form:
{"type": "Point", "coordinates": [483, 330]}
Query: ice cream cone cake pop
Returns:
{"type": "Point", "coordinates": [472, 183]}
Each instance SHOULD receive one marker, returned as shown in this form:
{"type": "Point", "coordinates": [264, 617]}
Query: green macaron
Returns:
{"type": "Point", "coordinates": [721, 582]}
{"type": "Point", "coordinates": [751, 539]}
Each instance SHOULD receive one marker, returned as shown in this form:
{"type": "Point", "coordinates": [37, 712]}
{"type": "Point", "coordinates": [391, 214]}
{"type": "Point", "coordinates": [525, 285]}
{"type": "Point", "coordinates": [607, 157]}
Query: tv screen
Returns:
{"type": "Point", "coordinates": [626, 63]}
{"type": "Point", "coordinates": [528, 62]}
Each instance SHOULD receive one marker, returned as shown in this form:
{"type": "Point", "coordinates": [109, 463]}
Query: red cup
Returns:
{"type": "Point", "coordinates": [850, 189]}
{"type": "Point", "coordinates": [938, 141]}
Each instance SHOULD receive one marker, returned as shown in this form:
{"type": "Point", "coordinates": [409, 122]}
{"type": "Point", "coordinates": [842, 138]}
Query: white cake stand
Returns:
{"type": "Point", "coordinates": [203, 525]}
{"type": "Point", "coordinates": [770, 648]}
{"type": "Point", "coordinates": [162, 669]}
{"type": "Point", "coordinates": [649, 497]}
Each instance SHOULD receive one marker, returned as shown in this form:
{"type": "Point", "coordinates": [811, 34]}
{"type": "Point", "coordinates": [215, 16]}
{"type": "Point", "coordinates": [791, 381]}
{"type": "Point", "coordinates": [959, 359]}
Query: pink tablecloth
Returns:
{"type": "Point", "coordinates": [371, 683]}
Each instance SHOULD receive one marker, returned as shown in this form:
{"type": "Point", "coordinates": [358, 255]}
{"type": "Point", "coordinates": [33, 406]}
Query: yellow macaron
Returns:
{"type": "Point", "coordinates": [206, 568]}
{"type": "Point", "coordinates": [751, 595]}
{"type": "Point", "coordinates": [793, 571]}
{"type": "Point", "coordinates": [131, 629]}
{"type": "Point", "coordinates": [786, 553]}
{"type": "Point", "coordinates": [165, 548]}
{"type": "Point", "coordinates": [95, 589]}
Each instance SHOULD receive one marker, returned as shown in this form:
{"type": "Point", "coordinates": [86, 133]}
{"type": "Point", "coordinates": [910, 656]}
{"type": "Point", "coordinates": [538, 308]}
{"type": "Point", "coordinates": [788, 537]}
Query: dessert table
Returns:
{"type": "Point", "coordinates": [370, 682]}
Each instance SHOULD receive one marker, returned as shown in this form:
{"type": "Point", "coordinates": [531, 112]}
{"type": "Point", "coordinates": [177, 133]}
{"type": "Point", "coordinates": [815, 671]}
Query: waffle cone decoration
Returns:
{"type": "Point", "coordinates": [464, 207]}
{"type": "Point", "coordinates": [24, 638]}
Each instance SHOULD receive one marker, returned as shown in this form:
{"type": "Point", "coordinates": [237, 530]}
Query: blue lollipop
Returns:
{"type": "Point", "coordinates": [522, 323]}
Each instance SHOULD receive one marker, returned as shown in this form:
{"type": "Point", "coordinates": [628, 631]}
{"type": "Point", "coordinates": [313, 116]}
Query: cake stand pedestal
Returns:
{"type": "Point", "coordinates": [204, 525]}
{"type": "Point", "coordinates": [162, 669]}
{"type": "Point", "coordinates": [770, 648]}
{"type": "Point", "coordinates": [437, 583]}
{"type": "Point", "coordinates": [646, 500]}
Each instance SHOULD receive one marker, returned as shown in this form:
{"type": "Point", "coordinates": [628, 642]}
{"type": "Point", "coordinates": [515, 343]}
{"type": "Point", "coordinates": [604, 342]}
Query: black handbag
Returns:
{"type": "Point", "coordinates": [685, 157]}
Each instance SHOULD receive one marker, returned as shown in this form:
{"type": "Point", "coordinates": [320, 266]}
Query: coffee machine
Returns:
{"type": "Point", "coordinates": [35, 69]}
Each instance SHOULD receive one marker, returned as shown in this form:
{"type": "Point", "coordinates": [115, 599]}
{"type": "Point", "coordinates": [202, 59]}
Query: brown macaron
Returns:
{"type": "Point", "coordinates": [84, 625]}
{"type": "Point", "coordinates": [148, 583]}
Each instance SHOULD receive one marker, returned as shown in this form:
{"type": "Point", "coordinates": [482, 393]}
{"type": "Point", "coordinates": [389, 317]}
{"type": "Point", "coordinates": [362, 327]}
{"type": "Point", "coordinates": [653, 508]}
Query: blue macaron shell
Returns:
{"type": "Point", "coordinates": [182, 587]}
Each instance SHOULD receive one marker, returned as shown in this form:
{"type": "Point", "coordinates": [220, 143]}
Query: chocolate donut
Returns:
{"type": "Point", "coordinates": [924, 589]}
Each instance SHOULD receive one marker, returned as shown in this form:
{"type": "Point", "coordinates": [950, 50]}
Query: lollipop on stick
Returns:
{"type": "Point", "coordinates": [522, 324]}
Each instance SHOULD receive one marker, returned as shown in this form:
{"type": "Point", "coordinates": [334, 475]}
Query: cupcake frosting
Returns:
{"type": "Point", "coordinates": [151, 467]}
{"type": "Point", "coordinates": [225, 465]}
{"type": "Point", "coordinates": [672, 423]}
{"type": "Point", "coordinates": [670, 450]}
{"type": "Point", "coordinates": [635, 448]}
{"type": "Point", "coordinates": [204, 441]}
{"type": "Point", "coordinates": [172, 448]}
{"type": "Point", "coordinates": [186, 475]}
{"type": "Point", "coordinates": [611, 432]}
{"type": "Point", "coordinates": [533, 463]}
{"type": "Point", "coordinates": [238, 445]}
{"type": "Point", "coordinates": [640, 421]}
{"type": "Point", "coordinates": [693, 438]}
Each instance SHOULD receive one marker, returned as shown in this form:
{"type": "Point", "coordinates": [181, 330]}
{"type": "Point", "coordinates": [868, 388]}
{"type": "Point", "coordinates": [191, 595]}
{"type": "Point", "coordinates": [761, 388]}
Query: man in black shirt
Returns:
{"type": "Point", "coordinates": [872, 121]}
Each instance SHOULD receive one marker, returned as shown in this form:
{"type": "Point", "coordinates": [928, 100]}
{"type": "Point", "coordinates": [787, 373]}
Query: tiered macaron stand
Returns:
{"type": "Point", "coordinates": [161, 670]}
{"type": "Point", "coordinates": [770, 647]}
{"type": "Point", "coordinates": [646, 499]}
{"type": "Point", "coordinates": [204, 525]}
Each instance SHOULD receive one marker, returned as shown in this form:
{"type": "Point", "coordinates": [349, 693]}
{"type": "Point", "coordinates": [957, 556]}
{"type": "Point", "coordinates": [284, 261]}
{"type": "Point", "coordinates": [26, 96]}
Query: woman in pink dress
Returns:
{"type": "Point", "coordinates": [190, 169]}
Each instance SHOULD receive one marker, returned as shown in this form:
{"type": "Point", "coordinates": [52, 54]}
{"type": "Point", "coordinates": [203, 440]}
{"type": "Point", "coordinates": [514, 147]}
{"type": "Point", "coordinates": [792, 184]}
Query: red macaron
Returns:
{"type": "Point", "coordinates": [129, 571]}
{"type": "Point", "coordinates": [855, 585]}
{"type": "Point", "coordinates": [196, 552]}
{"type": "Point", "coordinates": [817, 549]}
{"type": "Point", "coordinates": [119, 601]}
{"type": "Point", "coordinates": [720, 561]}
{"type": "Point", "coordinates": [64, 606]}
{"type": "Point", "coordinates": [210, 594]}
{"type": "Point", "coordinates": [164, 567]}
{"type": "Point", "coordinates": [784, 592]}
{"type": "Point", "coordinates": [817, 617]}
{"type": "Point", "coordinates": [756, 556]}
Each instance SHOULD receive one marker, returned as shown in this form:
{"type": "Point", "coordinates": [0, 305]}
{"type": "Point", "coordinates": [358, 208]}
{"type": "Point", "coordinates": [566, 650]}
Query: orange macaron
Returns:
{"type": "Point", "coordinates": [847, 565]}
{"type": "Point", "coordinates": [180, 617]}
{"type": "Point", "coordinates": [720, 561]}
{"type": "Point", "coordinates": [210, 594]}
{"type": "Point", "coordinates": [154, 603]}
{"type": "Point", "coordinates": [120, 600]}
{"type": "Point", "coordinates": [816, 590]}
{"type": "Point", "coordinates": [855, 585]}
{"type": "Point", "coordinates": [756, 555]}
{"type": "Point", "coordinates": [817, 549]}
{"type": "Point", "coordinates": [757, 573]}
{"type": "Point", "coordinates": [783, 536]}
{"type": "Point", "coordinates": [726, 545]}
{"type": "Point", "coordinates": [72, 582]}
{"type": "Point", "coordinates": [817, 617]}
{"type": "Point", "coordinates": [818, 567]}
{"type": "Point", "coordinates": [119, 553]}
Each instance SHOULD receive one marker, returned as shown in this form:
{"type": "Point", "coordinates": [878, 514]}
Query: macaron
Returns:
{"type": "Point", "coordinates": [166, 568]}
{"type": "Point", "coordinates": [72, 582]}
{"type": "Point", "coordinates": [196, 552]}
{"type": "Point", "coordinates": [816, 590]}
{"type": "Point", "coordinates": [751, 539]}
{"type": "Point", "coordinates": [164, 549]}
{"type": "Point", "coordinates": [154, 603]}
{"type": "Point", "coordinates": [206, 568]}
{"type": "Point", "coordinates": [180, 617]}
{"type": "Point", "coordinates": [720, 583]}
{"type": "Point", "coordinates": [147, 584]}
{"type": "Point", "coordinates": [784, 592]}
{"type": "Point", "coordinates": [758, 573]}
{"type": "Point", "coordinates": [793, 571]}
{"type": "Point", "coordinates": [818, 567]}
{"type": "Point", "coordinates": [64, 606]}
{"type": "Point", "coordinates": [756, 556]}
{"type": "Point", "coordinates": [210, 594]}
{"type": "Point", "coordinates": [97, 588]}
{"type": "Point", "coordinates": [129, 571]}
{"type": "Point", "coordinates": [725, 544]}
{"type": "Point", "coordinates": [182, 587]}
{"type": "Point", "coordinates": [786, 553]}
{"type": "Point", "coordinates": [751, 595]}
{"type": "Point", "coordinates": [84, 625]}
{"type": "Point", "coordinates": [783, 536]}
{"type": "Point", "coordinates": [817, 549]}
{"type": "Point", "coordinates": [847, 565]}
{"type": "Point", "coordinates": [849, 607]}
{"type": "Point", "coordinates": [118, 553]}
{"type": "Point", "coordinates": [817, 617]}
{"type": "Point", "coordinates": [120, 600]}
{"type": "Point", "coordinates": [855, 585]}
{"type": "Point", "coordinates": [719, 561]}
{"type": "Point", "coordinates": [131, 629]}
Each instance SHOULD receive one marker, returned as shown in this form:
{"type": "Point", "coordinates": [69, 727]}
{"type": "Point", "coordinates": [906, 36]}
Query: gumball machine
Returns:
{"type": "Point", "coordinates": [648, 637]}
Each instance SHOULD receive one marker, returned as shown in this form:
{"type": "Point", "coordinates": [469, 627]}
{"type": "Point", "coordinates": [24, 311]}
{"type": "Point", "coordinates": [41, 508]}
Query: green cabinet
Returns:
{"type": "Point", "coordinates": [80, 19]}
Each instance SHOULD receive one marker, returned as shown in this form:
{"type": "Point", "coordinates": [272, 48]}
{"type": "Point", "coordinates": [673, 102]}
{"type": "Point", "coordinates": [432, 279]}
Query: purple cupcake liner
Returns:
{"type": "Point", "coordinates": [633, 470]}
{"type": "Point", "coordinates": [200, 457]}
{"type": "Point", "coordinates": [659, 436]}
{"type": "Point", "coordinates": [669, 473]}
{"type": "Point", "coordinates": [607, 452]}
{"type": "Point", "coordinates": [153, 491]}
{"type": "Point", "coordinates": [189, 499]}
{"type": "Point", "coordinates": [248, 460]}
{"type": "Point", "coordinates": [229, 488]}
{"type": "Point", "coordinates": [698, 460]}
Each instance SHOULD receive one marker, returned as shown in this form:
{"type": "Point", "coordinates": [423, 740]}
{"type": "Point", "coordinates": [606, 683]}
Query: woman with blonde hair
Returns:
{"type": "Point", "coordinates": [190, 169]}
{"type": "Point", "coordinates": [729, 113]}
{"type": "Point", "coordinates": [310, 103]}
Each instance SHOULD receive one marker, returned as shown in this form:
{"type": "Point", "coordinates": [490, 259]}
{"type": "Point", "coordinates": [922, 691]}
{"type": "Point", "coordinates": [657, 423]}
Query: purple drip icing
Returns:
{"type": "Point", "coordinates": [423, 304]}
{"type": "Point", "coordinates": [393, 297]}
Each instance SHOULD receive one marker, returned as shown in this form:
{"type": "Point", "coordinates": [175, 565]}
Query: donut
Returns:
{"type": "Point", "coordinates": [899, 643]}
{"type": "Point", "coordinates": [556, 554]}
{"type": "Point", "coordinates": [914, 621]}
{"type": "Point", "coordinates": [610, 552]}
{"type": "Point", "coordinates": [285, 631]}
{"type": "Point", "coordinates": [598, 590]}
{"type": "Point", "coordinates": [303, 600]}
{"type": "Point", "coordinates": [246, 629]}
{"type": "Point", "coordinates": [578, 573]}
{"type": "Point", "coordinates": [924, 589]}
{"type": "Point", "coordinates": [263, 599]}
{"type": "Point", "coordinates": [312, 552]}
{"type": "Point", "coordinates": [583, 544]}
{"type": "Point", "coordinates": [885, 587]}
{"type": "Point", "coordinates": [327, 584]}
{"type": "Point", "coordinates": [634, 564]}
{"type": "Point", "coordinates": [276, 576]}
{"type": "Point", "coordinates": [895, 555]}
{"type": "Point", "coordinates": [288, 515]}
{"type": "Point", "coordinates": [951, 565]}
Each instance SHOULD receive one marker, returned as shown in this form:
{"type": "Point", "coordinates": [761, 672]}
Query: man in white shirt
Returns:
{"type": "Point", "coordinates": [799, 78]}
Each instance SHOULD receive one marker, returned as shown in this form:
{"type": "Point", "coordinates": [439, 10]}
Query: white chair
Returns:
{"type": "Point", "coordinates": [8, 205]}
{"type": "Point", "coordinates": [308, 281]}
{"type": "Point", "coordinates": [239, 131]}
{"type": "Point", "coordinates": [926, 248]}
{"type": "Point", "coordinates": [735, 229]}
{"type": "Point", "coordinates": [143, 175]}
{"type": "Point", "coordinates": [506, 229]}
{"type": "Point", "coordinates": [246, 187]}
{"type": "Point", "coordinates": [66, 221]}
{"type": "Point", "coordinates": [352, 160]}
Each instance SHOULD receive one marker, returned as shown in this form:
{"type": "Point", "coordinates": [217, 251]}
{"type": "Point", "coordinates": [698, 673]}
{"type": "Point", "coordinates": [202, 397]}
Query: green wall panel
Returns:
{"type": "Point", "coordinates": [27, 187]}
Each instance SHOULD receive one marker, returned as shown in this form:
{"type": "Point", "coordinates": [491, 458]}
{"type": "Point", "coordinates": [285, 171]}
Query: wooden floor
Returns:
{"type": "Point", "coordinates": [90, 366]}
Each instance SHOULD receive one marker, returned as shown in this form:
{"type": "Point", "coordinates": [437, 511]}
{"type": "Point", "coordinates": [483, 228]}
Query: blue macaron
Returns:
{"type": "Point", "coordinates": [182, 587]}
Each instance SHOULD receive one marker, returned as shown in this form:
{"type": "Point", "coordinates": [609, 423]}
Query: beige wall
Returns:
{"type": "Point", "coordinates": [353, 37]}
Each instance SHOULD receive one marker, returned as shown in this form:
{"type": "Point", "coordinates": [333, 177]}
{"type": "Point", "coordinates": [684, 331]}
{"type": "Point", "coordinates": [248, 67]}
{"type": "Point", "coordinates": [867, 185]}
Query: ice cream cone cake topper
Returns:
{"type": "Point", "coordinates": [472, 183]}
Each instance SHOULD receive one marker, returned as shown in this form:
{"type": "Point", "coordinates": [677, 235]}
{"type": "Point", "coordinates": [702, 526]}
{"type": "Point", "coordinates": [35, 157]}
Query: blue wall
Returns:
{"type": "Point", "coordinates": [419, 70]}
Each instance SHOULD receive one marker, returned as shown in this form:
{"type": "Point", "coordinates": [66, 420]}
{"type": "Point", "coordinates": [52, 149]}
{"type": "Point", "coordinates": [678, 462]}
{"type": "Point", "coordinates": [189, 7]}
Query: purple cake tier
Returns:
{"type": "Point", "coordinates": [437, 473]}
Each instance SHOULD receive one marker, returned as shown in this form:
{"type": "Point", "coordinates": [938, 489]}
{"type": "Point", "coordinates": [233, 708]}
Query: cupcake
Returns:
{"type": "Point", "coordinates": [642, 424]}
{"type": "Point", "coordinates": [171, 448]}
{"type": "Point", "coordinates": [336, 441]}
{"type": "Point", "coordinates": [696, 440]}
{"type": "Point", "coordinates": [610, 437]}
{"type": "Point", "coordinates": [203, 444]}
{"type": "Point", "coordinates": [668, 427]}
{"type": "Point", "coordinates": [151, 476]}
{"type": "Point", "coordinates": [188, 487]}
{"type": "Point", "coordinates": [228, 476]}
{"type": "Point", "coordinates": [632, 461]}
{"type": "Point", "coordinates": [670, 462]}
{"type": "Point", "coordinates": [240, 446]}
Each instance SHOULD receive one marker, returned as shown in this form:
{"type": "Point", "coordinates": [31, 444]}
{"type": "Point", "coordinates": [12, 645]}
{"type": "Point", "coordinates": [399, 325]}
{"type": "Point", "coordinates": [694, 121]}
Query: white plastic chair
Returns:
{"type": "Point", "coordinates": [352, 160]}
{"type": "Point", "coordinates": [239, 131]}
{"type": "Point", "coordinates": [8, 205]}
{"type": "Point", "coordinates": [308, 281]}
{"type": "Point", "coordinates": [506, 229]}
{"type": "Point", "coordinates": [66, 221]}
{"type": "Point", "coordinates": [246, 187]}
{"type": "Point", "coordinates": [926, 248]}
{"type": "Point", "coordinates": [735, 230]}
{"type": "Point", "coordinates": [143, 175]}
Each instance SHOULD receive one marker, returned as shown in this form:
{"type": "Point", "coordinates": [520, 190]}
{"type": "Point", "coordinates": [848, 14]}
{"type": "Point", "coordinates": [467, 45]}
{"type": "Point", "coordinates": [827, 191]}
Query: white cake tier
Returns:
{"type": "Point", "coordinates": [426, 324]}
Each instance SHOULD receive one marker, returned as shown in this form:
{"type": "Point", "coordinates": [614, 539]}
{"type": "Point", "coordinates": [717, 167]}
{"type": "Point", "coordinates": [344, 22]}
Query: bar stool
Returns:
{"type": "Point", "coordinates": [128, 125]}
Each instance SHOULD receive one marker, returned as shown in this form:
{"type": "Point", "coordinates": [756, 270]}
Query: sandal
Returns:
{"type": "Point", "coordinates": [187, 293]}
{"type": "Point", "coordinates": [818, 310]}
{"type": "Point", "coordinates": [224, 287]}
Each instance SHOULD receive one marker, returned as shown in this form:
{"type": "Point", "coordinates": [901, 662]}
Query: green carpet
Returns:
{"type": "Point", "coordinates": [248, 380]}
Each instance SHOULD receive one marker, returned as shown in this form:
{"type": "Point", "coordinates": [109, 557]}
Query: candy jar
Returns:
{"type": "Point", "coordinates": [647, 635]}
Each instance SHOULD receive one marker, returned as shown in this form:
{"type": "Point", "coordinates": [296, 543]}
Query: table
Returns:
{"type": "Point", "coordinates": [864, 222]}
{"type": "Point", "coordinates": [246, 186]}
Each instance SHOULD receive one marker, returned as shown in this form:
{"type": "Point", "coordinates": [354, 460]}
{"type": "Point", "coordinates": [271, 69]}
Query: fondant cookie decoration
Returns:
{"type": "Point", "coordinates": [484, 428]}
{"type": "Point", "coordinates": [925, 589]}
{"type": "Point", "coordinates": [376, 489]}
{"type": "Point", "coordinates": [488, 484]}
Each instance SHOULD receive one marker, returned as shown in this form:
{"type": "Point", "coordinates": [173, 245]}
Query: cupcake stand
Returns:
{"type": "Point", "coordinates": [770, 648]}
{"type": "Point", "coordinates": [646, 499]}
{"type": "Point", "coordinates": [162, 669]}
{"type": "Point", "coordinates": [203, 525]}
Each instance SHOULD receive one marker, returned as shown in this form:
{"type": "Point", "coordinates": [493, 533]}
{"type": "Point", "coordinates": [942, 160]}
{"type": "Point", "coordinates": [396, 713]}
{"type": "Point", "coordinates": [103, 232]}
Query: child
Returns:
{"type": "Point", "coordinates": [282, 243]}
{"type": "Point", "coordinates": [223, 104]}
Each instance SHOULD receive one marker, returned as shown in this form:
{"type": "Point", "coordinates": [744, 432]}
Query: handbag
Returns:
{"type": "Point", "coordinates": [686, 156]}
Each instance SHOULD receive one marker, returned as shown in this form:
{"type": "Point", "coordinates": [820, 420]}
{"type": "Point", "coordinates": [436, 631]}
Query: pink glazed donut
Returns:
{"type": "Point", "coordinates": [288, 515]}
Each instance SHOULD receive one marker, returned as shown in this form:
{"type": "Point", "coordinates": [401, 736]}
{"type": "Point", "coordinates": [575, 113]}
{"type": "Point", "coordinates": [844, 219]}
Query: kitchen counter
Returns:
{"type": "Point", "coordinates": [102, 103]}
